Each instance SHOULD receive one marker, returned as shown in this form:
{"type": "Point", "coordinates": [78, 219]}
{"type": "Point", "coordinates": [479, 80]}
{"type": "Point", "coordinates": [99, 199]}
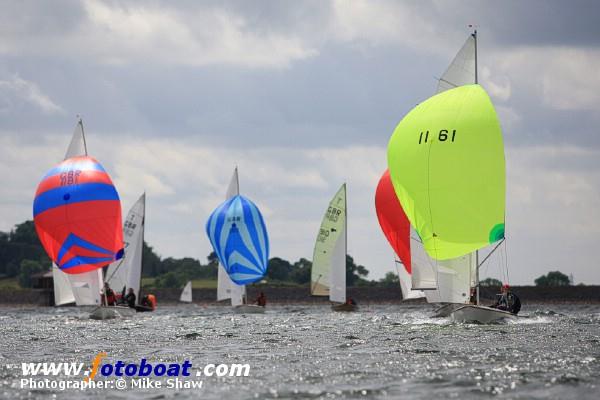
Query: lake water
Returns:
{"type": "Point", "coordinates": [309, 352]}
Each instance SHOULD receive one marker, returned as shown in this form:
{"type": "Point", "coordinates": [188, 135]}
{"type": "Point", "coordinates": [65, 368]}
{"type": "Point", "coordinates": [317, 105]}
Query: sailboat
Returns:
{"type": "Point", "coordinates": [446, 160]}
{"type": "Point", "coordinates": [328, 273]}
{"type": "Point", "coordinates": [226, 289]}
{"type": "Point", "coordinates": [239, 238]}
{"type": "Point", "coordinates": [81, 289]}
{"type": "Point", "coordinates": [127, 272]}
{"type": "Point", "coordinates": [396, 228]}
{"type": "Point", "coordinates": [186, 293]}
{"type": "Point", "coordinates": [77, 216]}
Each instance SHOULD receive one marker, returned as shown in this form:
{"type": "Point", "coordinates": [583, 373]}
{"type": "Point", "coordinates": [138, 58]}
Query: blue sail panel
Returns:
{"type": "Point", "coordinates": [238, 234]}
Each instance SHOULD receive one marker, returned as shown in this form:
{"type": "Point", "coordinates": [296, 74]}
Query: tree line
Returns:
{"type": "Point", "coordinates": [22, 255]}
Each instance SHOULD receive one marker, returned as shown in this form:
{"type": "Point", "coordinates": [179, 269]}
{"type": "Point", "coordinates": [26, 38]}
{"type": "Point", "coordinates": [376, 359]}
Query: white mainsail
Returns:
{"type": "Point", "coordinates": [226, 288]}
{"type": "Point", "coordinates": [405, 279]}
{"type": "Point", "coordinates": [448, 281]}
{"type": "Point", "coordinates": [62, 287]}
{"type": "Point", "coordinates": [424, 272]}
{"type": "Point", "coordinates": [328, 275]}
{"type": "Point", "coordinates": [186, 294]}
{"type": "Point", "coordinates": [127, 272]}
{"type": "Point", "coordinates": [83, 289]}
{"type": "Point", "coordinates": [462, 70]}
{"type": "Point", "coordinates": [86, 287]}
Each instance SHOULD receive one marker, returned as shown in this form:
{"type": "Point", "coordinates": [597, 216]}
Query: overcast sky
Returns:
{"type": "Point", "coordinates": [302, 96]}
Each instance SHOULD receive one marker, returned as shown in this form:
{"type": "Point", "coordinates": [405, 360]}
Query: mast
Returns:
{"type": "Point", "coordinates": [476, 251]}
{"type": "Point", "coordinates": [477, 277]}
{"type": "Point", "coordinates": [475, 38]}
{"type": "Point", "coordinates": [142, 256]}
{"type": "Point", "coordinates": [83, 136]}
{"type": "Point", "coordinates": [345, 227]}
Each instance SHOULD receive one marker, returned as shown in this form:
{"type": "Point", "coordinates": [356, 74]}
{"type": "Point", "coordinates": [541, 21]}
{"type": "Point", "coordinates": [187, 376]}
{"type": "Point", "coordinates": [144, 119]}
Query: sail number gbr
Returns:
{"type": "Point", "coordinates": [442, 136]}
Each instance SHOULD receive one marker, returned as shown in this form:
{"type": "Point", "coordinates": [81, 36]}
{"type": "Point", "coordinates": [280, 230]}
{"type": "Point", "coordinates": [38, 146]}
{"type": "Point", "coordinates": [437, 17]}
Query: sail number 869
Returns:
{"type": "Point", "coordinates": [442, 136]}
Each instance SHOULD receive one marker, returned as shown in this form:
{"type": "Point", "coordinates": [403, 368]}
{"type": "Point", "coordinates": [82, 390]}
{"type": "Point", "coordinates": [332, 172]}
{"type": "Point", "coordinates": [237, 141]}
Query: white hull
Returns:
{"type": "Point", "coordinates": [111, 312]}
{"type": "Point", "coordinates": [480, 314]}
{"type": "Point", "coordinates": [248, 309]}
{"type": "Point", "coordinates": [445, 310]}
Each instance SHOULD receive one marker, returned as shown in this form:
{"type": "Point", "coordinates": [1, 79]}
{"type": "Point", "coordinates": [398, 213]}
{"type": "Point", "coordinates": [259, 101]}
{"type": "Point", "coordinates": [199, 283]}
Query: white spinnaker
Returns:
{"type": "Point", "coordinates": [127, 272]}
{"type": "Point", "coordinates": [186, 294]}
{"type": "Point", "coordinates": [82, 287]}
{"type": "Point", "coordinates": [226, 288]}
{"type": "Point", "coordinates": [405, 283]}
{"type": "Point", "coordinates": [461, 70]}
{"type": "Point", "coordinates": [328, 275]}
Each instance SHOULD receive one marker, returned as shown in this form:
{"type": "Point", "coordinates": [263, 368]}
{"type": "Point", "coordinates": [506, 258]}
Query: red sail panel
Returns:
{"type": "Point", "coordinates": [77, 216]}
{"type": "Point", "coordinates": [392, 219]}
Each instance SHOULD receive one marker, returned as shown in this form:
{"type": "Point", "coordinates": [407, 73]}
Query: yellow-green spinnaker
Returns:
{"type": "Point", "coordinates": [446, 160]}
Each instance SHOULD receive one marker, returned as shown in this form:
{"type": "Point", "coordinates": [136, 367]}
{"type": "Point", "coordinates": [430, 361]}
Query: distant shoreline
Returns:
{"type": "Point", "coordinates": [300, 295]}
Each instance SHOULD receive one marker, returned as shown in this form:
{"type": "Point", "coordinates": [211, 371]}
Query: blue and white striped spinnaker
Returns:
{"type": "Point", "coordinates": [238, 234]}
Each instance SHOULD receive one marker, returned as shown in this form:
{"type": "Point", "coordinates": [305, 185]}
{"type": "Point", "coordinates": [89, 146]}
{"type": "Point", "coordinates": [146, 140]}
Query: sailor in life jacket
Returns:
{"type": "Point", "coordinates": [507, 301]}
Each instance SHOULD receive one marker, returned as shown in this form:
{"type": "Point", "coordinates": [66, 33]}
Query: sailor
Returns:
{"type": "Point", "coordinates": [473, 296]}
{"type": "Point", "coordinates": [350, 301]}
{"type": "Point", "coordinates": [109, 295]}
{"type": "Point", "coordinates": [261, 300]}
{"type": "Point", "coordinates": [130, 298]}
{"type": "Point", "coordinates": [507, 301]}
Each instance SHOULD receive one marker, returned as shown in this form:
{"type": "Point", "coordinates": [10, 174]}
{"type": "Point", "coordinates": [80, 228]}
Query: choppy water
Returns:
{"type": "Point", "coordinates": [308, 352]}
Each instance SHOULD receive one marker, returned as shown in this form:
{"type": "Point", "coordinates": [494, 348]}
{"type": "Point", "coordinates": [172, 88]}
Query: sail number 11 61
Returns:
{"type": "Point", "coordinates": [442, 136]}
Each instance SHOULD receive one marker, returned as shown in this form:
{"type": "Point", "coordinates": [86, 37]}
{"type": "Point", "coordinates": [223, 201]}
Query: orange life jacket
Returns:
{"type": "Point", "coordinates": [151, 301]}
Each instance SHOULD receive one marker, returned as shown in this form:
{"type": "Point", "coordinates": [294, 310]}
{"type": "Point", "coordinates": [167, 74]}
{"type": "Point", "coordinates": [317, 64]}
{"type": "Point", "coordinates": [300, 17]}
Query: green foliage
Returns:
{"type": "Point", "coordinates": [169, 280]}
{"type": "Point", "coordinates": [279, 269]}
{"type": "Point", "coordinates": [554, 278]}
{"type": "Point", "coordinates": [490, 282]}
{"type": "Point", "coordinates": [389, 280]}
{"type": "Point", "coordinates": [301, 272]}
{"type": "Point", "coordinates": [354, 273]}
{"type": "Point", "coordinates": [28, 268]}
{"type": "Point", "coordinates": [20, 244]}
{"type": "Point", "coordinates": [22, 255]}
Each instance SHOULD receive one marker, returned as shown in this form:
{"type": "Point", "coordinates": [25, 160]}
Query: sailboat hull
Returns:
{"type": "Point", "coordinates": [480, 314]}
{"type": "Point", "coordinates": [344, 307]}
{"type": "Point", "coordinates": [111, 312]}
{"type": "Point", "coordinates": [445, 310]}
{"type": "Point", "coordinates": [248, 309]}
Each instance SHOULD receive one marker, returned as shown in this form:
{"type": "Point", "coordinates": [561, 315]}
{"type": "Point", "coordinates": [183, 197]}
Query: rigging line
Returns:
{"type": "Point", "coordinates": [506, 261]}
{"type": "Point", "coordinates": [448, 82]}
